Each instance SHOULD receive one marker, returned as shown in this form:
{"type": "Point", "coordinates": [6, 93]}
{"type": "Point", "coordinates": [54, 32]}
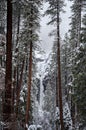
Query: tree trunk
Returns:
{"type": "Point", "coordinates": [59, 69]}
{"type": "Point", "coordinates": [56, 98]}
{"type": "Point", "coordinates": [16, 51]}
{"type": "Point", "coordinates": [8, 108]}
{"type": "Point", "coordinates": [19, 88]}
{"type": "Point", "coordinates": [18, 27]}
{"type": "Point", "coordinates": [79, 22]}
{"type": "Point", "coordinates": [27, 117]}
{"type": "Point", "coordinates": [15, 84]}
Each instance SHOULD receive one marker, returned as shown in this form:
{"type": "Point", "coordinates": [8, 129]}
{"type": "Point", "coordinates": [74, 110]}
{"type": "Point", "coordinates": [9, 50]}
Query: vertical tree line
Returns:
{"type": "Point", "coordinates": [19, 44]}
{"type": "Point", "coordinates": [8, 108]}
{"type": "Point", "coordinates": [59, 84]}
{"type": "Point", "coordinates": [54, 11]}
{"type": "Point", "coordinates": [66, 71]}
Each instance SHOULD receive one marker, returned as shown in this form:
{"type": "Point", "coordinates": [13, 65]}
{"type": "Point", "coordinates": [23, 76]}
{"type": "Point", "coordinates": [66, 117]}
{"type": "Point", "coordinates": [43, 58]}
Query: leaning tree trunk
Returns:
{"type": "Point", "coordinates": [59, 70]}
{"type": "Point", "coordinates": [7, 104]}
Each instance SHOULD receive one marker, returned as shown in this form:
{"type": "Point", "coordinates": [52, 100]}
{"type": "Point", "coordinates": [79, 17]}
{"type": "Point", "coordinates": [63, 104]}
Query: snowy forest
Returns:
{"type": "Point", "coordinates": [40, 90]}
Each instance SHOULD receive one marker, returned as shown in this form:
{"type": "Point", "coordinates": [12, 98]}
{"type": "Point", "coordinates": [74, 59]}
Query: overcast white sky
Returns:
{"type": "Point", "coordinates": [47, 41]}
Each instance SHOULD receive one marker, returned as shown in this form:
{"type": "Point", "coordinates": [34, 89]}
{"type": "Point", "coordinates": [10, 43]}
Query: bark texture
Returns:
{"type": "Point", "coordinates": [27, 117]}
{"type": "Point", "coordinates": [8, 108]}
{"type": "Point", "coordinates": [59, 69]}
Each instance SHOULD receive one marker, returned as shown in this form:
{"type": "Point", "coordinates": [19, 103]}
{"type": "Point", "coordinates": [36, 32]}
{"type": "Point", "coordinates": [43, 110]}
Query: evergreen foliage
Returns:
{"type": "Point", "coordinates": [55, 101]}
{"type": "Point", "coordinates": [79, 82]}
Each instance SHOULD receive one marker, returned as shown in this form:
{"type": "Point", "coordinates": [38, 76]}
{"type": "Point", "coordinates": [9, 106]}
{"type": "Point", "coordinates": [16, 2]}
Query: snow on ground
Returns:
{"type": "Point", "coordinates": [34, 127]}
{"type": "Point", "coordinates": [66, 116]}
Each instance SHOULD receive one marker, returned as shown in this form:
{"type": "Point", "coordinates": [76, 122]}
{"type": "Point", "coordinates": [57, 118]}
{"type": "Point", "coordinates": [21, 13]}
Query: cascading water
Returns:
{"type": "Point", "coordinates": [43, 116]}
{"type": "Point", "coordinates": [41, 97]}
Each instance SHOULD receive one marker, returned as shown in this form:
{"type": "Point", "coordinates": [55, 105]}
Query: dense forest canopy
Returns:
{"type": "Point", "coordinates": [40, 91]}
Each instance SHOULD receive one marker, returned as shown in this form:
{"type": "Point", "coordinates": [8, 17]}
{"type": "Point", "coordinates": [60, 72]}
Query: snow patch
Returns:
{"type": "Point", "coordinates": [34, 127]}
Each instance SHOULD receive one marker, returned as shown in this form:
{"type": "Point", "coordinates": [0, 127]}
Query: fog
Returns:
{"type": "Point", "coordinates": [46, 41]}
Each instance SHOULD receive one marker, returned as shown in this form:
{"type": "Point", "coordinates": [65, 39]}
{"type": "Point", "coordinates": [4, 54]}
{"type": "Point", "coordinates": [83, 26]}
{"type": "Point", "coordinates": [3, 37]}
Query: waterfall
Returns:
{"type": "Point", "coordinates": [41, 103]}
{"type": "Point", "coordinates": [41, 93]}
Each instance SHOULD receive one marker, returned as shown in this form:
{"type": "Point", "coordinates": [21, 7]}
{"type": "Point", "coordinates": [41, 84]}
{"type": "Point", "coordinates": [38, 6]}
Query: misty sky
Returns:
{"type": "Point", "coordinates": [47, 41]}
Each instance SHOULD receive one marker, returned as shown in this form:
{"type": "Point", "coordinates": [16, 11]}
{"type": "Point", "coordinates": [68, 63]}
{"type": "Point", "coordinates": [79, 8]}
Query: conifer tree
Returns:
{"type": "Point", "coordinates": [79, 82]}
{"type": "Point", "coordinates": [54, 11]}
{"type": "Point", "coordinates": [59, 69]}
{"type": "Point", "coordinates": [31, 24]}
{"type": "Point", "coordinates": [8, 103]}
{"type": "Point", "coordinates": [75, 40]}
{"type": "Point", "coordinates": [76, 18]}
